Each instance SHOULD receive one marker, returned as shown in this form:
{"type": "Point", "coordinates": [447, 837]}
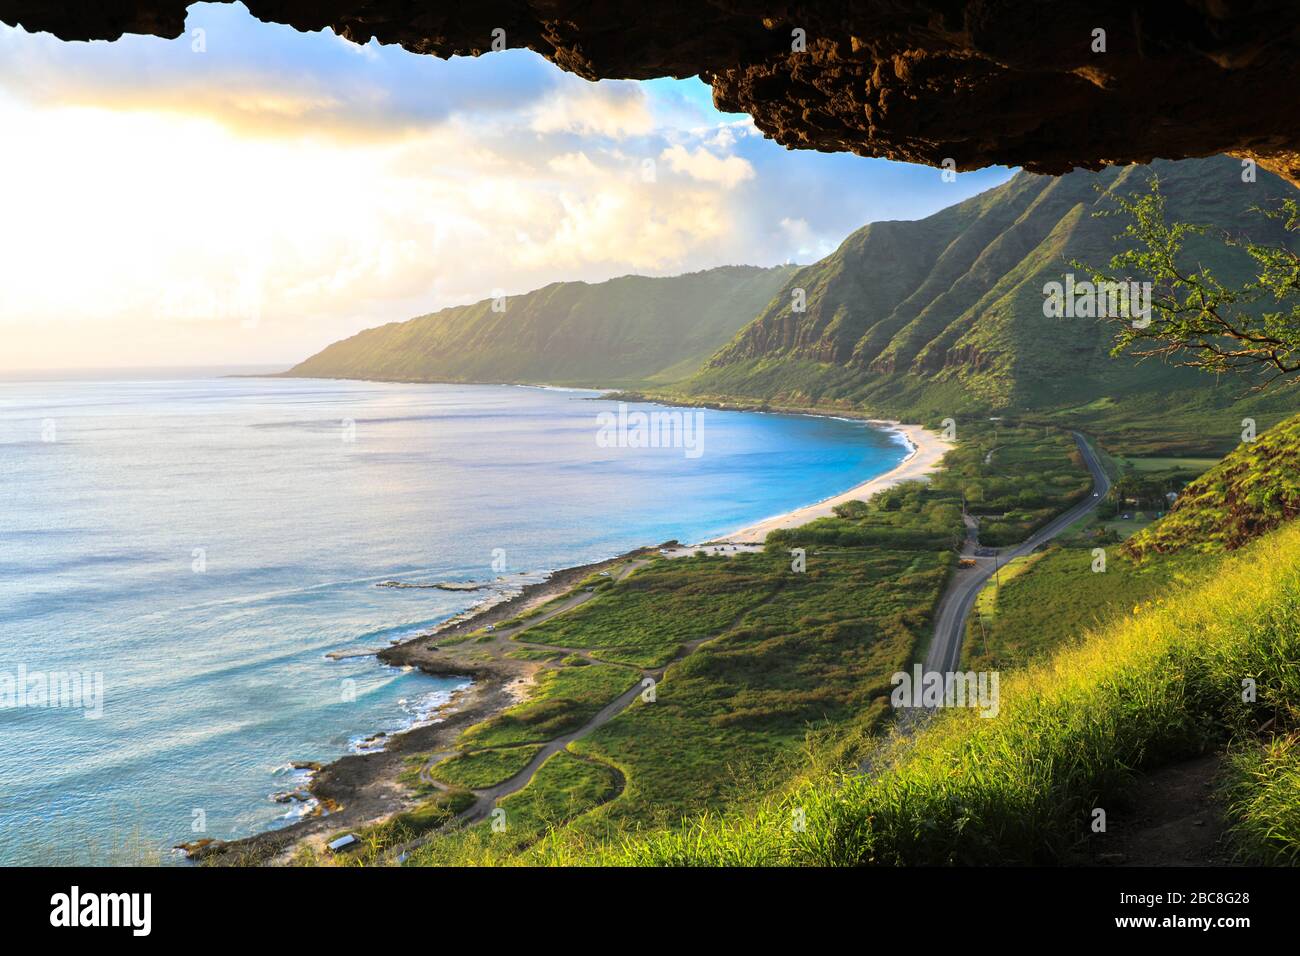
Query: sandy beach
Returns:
{"type": "Point", "coordinates": [361, 789]}
{"type": "Point", "coordinates": [928, 449]}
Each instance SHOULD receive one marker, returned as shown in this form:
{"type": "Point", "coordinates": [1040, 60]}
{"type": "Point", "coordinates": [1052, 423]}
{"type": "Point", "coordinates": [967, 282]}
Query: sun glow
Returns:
{"type": "Point", "coordinates": [255, 200]}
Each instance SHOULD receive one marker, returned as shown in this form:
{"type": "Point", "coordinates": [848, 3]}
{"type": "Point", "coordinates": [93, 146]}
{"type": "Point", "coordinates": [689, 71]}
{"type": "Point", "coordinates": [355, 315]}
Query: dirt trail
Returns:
{"type": "Point", "coordinates": [1170, 817]}
{"type": "Point", "coordinates": [487, 797]}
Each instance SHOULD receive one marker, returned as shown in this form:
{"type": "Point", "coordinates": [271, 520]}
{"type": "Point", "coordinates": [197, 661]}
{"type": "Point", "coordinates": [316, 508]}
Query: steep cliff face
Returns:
{"type": "Point", "coordinates": [956, 300]}
{"type": "Point", "coordinates": [1020, 82]}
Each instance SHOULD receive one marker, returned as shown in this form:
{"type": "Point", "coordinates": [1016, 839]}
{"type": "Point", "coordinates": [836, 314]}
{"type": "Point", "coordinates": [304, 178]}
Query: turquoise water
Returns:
{"type": "Point", "coordinates": [201, 544]}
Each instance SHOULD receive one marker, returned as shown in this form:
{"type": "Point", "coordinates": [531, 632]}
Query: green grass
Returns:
{"type": "Point", "coordinates": [794, 673]}
{"type": "Point", "coordinates": [734, 717]}
{"type": "Point", "coordinates": [1121, 528]}
{"type": "Point", "coordinates": [792, 689]}
{"type": "Point", "coordinates": [484, 768]}
{"type": "Point", "coordinates": [1262, 792]}
{"type": "Point", "coordinates": [803, 677]}
{"type": "Point", "coordinates": [1014, 477]}
{"type": "Point", "coordinates": [534, 654]}
{"type": "Point", "coordinates": [1054, 597]}
{"type": "Point", "coordinates": [566, 786]}
{"type": "Point", "coordinates": [986, 603]}
{"type": "Point", "coordinates": [909, 515]}
{"type": "Point", "coordinates": [646, 618]}
{"type": "Point", "coordinates": [1020, 788]}
{"type": "Point", "coordinates": [1195, 465]}
{"type": "Point", "coordinates": [1250, 492]}
{"type": "Point", "coordinates": [563, 700]}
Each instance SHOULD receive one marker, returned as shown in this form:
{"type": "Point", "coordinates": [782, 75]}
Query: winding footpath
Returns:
{"type": "Point", "coordinates": [486, 798]}
{"type": "Point", "coordinates": [943, 655]}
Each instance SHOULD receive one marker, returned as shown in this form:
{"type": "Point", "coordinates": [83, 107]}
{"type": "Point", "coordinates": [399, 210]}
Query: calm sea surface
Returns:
{"type": "Point", "coordinates": [200, 545]}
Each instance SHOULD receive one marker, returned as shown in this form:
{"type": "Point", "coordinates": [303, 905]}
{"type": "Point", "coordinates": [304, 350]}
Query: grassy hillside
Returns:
{"type": "Point", "coordinates": [630, 330]}
{"type": "Point", "coordinates": [1055, 597]}
{"type": "Point", "coordinates": [944, 315]}
{"type": "Point", "coordinates": [1104, 676]}
{"type": "Point", "coordinates": [772, 673]}
{"type": "Point", "coordinates": [1250, 492]}
{"type": "Point", "coordinates": [711, 773]}
{"type": "Point", "coordinates": [1021, 788]}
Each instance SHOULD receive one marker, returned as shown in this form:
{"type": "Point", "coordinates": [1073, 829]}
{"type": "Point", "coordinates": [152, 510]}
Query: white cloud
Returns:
{"type": "Point", "coordinates": [727, 172]}
{"type": "Point", "coordinates": [183, 208]}
{"type": "Point", "coordinates": [613, 109]}
{"type": "Point", "coordinates": [572, 164]}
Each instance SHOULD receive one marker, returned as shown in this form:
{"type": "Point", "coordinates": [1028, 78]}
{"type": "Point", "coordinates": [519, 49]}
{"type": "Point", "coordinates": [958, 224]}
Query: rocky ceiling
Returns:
{"type": "Point", "coordinates": [1019, 82]}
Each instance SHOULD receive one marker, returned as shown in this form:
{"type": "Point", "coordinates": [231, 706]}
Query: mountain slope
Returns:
{"type": "Point", "coordinates": [628, 330]}
{"type": "Point", "coordinates": [1249, 493]}
{"type": "Point", "coordinates": [945, 314]}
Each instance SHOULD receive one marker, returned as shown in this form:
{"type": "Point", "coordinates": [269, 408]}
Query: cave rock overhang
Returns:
{"type": "Point", "coordinates": [1049, 86]}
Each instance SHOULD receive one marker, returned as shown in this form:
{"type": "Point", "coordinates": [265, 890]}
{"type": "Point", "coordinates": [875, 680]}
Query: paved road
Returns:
{"type": "Point", "coordinates": [944, 653]}
{"type": "Point", "coordinates": [955, 606]}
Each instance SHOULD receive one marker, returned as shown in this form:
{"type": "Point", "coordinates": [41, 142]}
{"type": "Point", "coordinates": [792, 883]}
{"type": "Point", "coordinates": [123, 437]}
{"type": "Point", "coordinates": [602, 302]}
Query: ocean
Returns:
{"type": "Point", "coordinates": [178, 555]}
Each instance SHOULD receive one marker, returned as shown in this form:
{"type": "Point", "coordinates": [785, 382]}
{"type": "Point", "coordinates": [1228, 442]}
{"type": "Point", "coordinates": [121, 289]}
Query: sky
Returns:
{"type": "Point", "coordinates": [247, 194]}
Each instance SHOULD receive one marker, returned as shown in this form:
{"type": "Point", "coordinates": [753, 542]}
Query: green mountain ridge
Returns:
{"type": "Point", "coordinates": [632, 330]}
{"type": "Point", "coordinates": [927, 319]}
{"type": "Point", "coordinates": [944, 315]}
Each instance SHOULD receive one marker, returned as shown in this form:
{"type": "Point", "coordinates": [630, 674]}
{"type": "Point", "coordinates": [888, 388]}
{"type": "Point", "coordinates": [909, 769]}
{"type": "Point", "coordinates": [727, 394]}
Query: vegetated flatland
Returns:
{"type": "Point", "coordinates": [1155, 683]}
{"type": "Point", "coordinates": [1152, 463]}
{"type": "Point", "coordinates": [1059, 595]}
{"type": "Point", "coordinates": [645, 619]}
{"type": "Point", "coordinates": [565, 788]}
{"type": "Point", "coordinates": [562, 700]}
{"type": "Point", "coordinates": [1157, 687]}
{"type": "Point", "coordinates": [1013, 477]}
{"type": "Point", "coordinates": [484, 768]}
{"type": "Point", "coordinates": [773, 672]}
{"type": "Point", "coordinates": [1044, 600]}
{"type": "Point", "coordinates": [731, 719]}
{"type": "Point", "coordinates": [1054, 598]}
{"type": "Point", "coordinates": [789, 688]}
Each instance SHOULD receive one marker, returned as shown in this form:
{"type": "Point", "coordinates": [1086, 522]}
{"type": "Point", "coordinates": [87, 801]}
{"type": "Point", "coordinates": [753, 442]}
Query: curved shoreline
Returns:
{"type": "Point", "coordinates": [362, 788]}
{"type": "Point", "coordinates": [927, 452]}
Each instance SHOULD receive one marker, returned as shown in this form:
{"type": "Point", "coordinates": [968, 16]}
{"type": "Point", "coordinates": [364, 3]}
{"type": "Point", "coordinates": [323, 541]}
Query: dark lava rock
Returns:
{"type": "Point", "coordinates": [1019, 82]}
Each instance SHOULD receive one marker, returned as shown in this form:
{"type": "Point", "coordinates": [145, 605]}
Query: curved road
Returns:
{"type": "Point", "coordinates": [955, 606]}
{"type": "Point", "coordinates": [944, 653]}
